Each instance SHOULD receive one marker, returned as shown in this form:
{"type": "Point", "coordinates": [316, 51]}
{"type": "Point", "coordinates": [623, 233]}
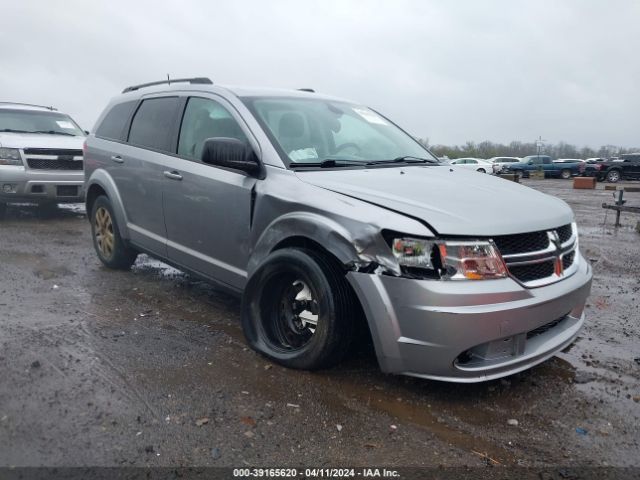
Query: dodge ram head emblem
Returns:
{"type": "Point", "coordinates": [558, 268]}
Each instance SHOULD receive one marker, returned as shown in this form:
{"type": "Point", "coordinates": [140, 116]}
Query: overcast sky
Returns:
{"type": "Point", "coordinates": [451, 71]}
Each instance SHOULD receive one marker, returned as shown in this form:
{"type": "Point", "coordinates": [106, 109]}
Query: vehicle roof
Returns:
{"type": "Point", "coordinates": [26, 106]}
{"type": "Point", "coordinates": [238, 91]}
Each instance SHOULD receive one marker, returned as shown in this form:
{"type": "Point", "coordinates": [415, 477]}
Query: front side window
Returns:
{"type": "Point", "coordinates": [152, 123]}
{"type": "Point", "coordinates": [204, 118]}
{"type": "Point", "coordinates": [38, 121]}
{"type": "Point", "coordinates": [314, 130]}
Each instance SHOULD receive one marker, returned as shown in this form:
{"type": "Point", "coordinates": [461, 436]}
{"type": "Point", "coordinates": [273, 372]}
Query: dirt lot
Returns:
{"type": "Point", "coordinates": [150, 368]}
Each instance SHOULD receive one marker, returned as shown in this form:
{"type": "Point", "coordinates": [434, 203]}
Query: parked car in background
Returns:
{"type": "Point", "coordinates": [498, 162]}
{"type": "Point", "coordinates": [626, 167]}
{"type": "Point", "coordinates": [595, 160]}
{"type": "Point", "coordinates": [532, 163]}
{"type": "Point", "coordinates": [477, 164]}
{"type": "Point", "coordinates": [40, 156]}
{"type": "Point", "coordinates": [321, 212]}
{"type": "Point", "coordinates": [568, 160]}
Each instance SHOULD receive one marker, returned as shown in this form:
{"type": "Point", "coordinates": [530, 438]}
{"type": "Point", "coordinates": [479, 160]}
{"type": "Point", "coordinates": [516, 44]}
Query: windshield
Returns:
{"type": "Point", "coordinates": [309, 131]}
{"type": "Point", "coordinates": [36, 121]}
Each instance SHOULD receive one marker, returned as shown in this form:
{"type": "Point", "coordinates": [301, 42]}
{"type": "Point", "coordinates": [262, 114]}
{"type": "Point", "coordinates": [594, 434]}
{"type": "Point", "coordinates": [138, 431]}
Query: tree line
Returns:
{"type": "Point", "coordinates": [489, 149]}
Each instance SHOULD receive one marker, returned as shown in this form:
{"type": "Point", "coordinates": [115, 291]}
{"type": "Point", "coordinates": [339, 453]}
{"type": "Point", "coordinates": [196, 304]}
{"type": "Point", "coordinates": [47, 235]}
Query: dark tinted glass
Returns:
{"type": "Point", "coordinates": [152, 123]}
{"type": "Point", "coordinates": [112, 126]}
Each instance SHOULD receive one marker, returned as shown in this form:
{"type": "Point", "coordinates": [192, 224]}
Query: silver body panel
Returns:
{"type": "Point", "coordinates": [222, 225]}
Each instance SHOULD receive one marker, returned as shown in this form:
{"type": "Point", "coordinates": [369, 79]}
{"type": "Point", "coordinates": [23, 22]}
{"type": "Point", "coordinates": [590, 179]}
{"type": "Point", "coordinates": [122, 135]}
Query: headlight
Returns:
{"type": "Point", "coordinates": [448, 260]}
{"type": "Point", "coordinates": [10, 156]}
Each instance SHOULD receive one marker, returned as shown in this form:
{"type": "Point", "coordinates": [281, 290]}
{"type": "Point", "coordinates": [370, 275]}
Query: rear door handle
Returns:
{"type": "Point", "coordinates": [117, 159]}
{"type": "Point", "coordinates": [172, 175]}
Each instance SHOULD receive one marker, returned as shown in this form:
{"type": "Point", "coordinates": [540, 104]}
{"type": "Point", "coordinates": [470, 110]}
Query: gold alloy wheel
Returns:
{"type": "Point", "coordinates": [104, 232]}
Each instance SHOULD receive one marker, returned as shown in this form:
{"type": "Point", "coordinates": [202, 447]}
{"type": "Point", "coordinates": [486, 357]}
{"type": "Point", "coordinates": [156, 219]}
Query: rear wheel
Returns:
{"type": "Point", "coordinates": [565, 174]}
{"type": "Point", "coordinates": [482, 170]}
{"type": "Point", "coordinates": [111, 249]}
{"type": "Point", "coordinates": [298, 310]}
{"type": "Point", "coordinates": [613, 176]}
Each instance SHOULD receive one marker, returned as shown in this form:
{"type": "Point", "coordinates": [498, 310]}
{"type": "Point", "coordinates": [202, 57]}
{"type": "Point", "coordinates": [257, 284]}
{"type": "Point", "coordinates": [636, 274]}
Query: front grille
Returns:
{"type": "Point", "coordinates": [53, 151]}
{"type": "Point", "coordinates": [47, 164]}
{"type": "Point", "coordinates": [522, 242]}
{"type": "Point", "coordinates": [544, 328]}
{"type": "Point", "coordinates": [534, 258]}
{"type": "Point", "coordinates": [567, 260]}
{"type": "Point", "coordinates": [564, 233]}
{"type": "Point", "coordinates": [534, 271]}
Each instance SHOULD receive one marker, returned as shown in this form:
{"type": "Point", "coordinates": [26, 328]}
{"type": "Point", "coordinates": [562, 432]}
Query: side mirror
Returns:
{"type": "Point", "coordinates": [230, 153]}
{"type": "Point", "coordinates": [86, 132]}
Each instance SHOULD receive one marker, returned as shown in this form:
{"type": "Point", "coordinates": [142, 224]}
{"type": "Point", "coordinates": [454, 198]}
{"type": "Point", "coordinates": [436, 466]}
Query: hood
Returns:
{"type": "Point", "coordinates": [450, 200]}
{"type": "Point", "coordinates": [39, 140]}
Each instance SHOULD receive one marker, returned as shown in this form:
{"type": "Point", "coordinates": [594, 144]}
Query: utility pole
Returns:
{"type": "Point", "coordinates": [539, 144]}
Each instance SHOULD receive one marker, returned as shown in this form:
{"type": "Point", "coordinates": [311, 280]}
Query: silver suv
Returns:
{"type": "Point", "coordinates": [40, 156]}
{"type": "Point", "coordinates": [320, 212]}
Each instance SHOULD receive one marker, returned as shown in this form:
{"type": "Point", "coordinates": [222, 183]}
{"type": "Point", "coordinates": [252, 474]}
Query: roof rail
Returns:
{"type": "Point", "coordinates": [196, 80]}
{"type": "Point", "coordinates": [28, 105]}
{"type": "Point", "coordinates": [310, 90]}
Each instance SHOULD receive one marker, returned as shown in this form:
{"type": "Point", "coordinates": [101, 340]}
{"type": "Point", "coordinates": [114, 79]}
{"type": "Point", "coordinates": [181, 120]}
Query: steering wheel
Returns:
{"type": "Point", "coordinates": [348, 145]}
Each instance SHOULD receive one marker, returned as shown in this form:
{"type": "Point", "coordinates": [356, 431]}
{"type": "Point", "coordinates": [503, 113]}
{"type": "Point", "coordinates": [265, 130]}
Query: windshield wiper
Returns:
{"type": "Point", "coordinates": [405, 159]}
{"type": "Point", "coordinates": [53, 132]}
{"type": "Point", "coordinates": [11, 130]}
{"type": "Point", "coordinates": [329, 163]}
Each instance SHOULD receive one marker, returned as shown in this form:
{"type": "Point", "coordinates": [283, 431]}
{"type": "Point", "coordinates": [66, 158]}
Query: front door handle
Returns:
{"type": "Point", "coordinates": [117, 159]}
{"type": "Point", "coordinates": [172, 175]}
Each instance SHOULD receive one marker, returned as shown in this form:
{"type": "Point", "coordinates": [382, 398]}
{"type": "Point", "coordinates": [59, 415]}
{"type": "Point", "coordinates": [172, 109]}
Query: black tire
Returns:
{"type": "Point", "coordinates": [481, 170]}
{"type": "Point", "coordinates": [519, 174]}
{"type": "Point", "coordinates": [273, 327]}
{"type": "Point", "coordinates": [565, 174]}
{"type": "Point", "coordinates": [3, 210]}
{"type": "Point", "coordinates": [120, 256]}
{"type": "Point", "coordinates": [613, 176]}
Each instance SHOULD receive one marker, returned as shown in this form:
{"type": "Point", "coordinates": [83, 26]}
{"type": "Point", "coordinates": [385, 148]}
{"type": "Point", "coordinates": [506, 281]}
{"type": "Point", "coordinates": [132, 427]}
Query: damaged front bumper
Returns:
{"type": "Point", "coordinates": [470, 331]}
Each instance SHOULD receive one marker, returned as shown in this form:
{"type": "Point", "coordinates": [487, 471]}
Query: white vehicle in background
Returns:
{"type": "Point", "coordinates": [41, 157]}
{"type": "Point", "coordinates": [477, 164]}
{"type": "Point", "coordinates": [498, 162]}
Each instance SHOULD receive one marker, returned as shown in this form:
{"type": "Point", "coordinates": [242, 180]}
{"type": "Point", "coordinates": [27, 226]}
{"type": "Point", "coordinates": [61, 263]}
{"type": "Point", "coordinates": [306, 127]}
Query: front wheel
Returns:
{"type": "Point", "coordinates": [3, 210]}
{"type": "Point", "coordinates": [482, 170]}
{"type": "Point", "coordinates": [298, 309]}
{"type": "Point", "coordinates": [565, 174]}
{"type": "Point", "coordinates": [111, 249]}
{"type": "Point", "coordinates": [519, 174]}
{"type": "Point", "coordinates": [613, 176]}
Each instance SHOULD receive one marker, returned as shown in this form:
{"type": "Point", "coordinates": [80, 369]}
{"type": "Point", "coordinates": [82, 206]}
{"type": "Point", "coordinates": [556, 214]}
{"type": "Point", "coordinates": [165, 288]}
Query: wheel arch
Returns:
{"type": "Point", "coordinates": [99, 184]}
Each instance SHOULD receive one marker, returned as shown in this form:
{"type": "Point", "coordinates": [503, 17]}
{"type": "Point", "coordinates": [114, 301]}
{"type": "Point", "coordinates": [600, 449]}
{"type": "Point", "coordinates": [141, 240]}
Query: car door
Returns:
{"type": "Point", "coordinates": [138, 167]}
{"type": "Point", "coordinates": [207, 209]}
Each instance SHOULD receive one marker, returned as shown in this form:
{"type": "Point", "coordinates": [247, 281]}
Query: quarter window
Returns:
{"type": "Point", "coordinates": [152, 123]}
{"type": "Point", "coordinates": [203, 119]}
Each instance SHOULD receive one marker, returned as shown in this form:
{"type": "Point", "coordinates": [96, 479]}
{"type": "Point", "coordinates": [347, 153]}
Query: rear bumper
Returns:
{"type": "Point", "coordinates": [24, 185]}
{"type": "Point", "coordinates": [470, 331]}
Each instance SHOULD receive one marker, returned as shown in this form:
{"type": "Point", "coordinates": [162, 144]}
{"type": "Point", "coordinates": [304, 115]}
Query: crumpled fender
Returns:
{"type": "Point", "coordinates": [358, 246]}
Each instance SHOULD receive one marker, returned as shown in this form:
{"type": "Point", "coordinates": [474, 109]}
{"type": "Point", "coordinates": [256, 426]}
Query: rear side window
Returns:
{"type": "Point", "coordinates": [112, 126]}
{"type": "Point", "coordinates": [152, 124]}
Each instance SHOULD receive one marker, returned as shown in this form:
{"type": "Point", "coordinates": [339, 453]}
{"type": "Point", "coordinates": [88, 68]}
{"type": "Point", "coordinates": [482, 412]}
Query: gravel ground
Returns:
{"type": "Point", "coordinates": [150, 368]}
